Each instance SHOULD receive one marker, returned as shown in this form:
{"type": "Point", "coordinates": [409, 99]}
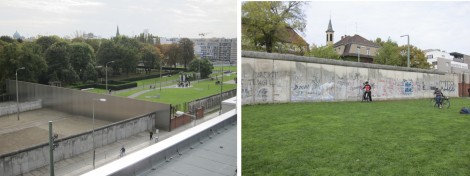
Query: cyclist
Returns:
{"type": "Point", "coordinates": [438, 97]}
{"type": "Point", "coordinates": [367, 93]}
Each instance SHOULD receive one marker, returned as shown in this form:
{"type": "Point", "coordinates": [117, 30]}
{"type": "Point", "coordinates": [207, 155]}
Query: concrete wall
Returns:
{"type": "Point", "coordinates": [81, 103]}
{"type": "Point", "coordinates": [11, 107]}
{"type": "Point", "coordinates": [23, 161]}
{"type": "Point", "coordinates": [276, 78]}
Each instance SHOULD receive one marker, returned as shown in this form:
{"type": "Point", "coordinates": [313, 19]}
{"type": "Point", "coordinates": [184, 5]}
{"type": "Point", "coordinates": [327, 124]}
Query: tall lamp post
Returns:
{"type": "Point", "coordinates": [93, 131]}
{"type": "Point", "coordinates": [221, 85]}
{"type": "Point", "coordinates": [17, 99]}
{"type": "Point", "coordinates": [359, 52]}
{"type": "Point", "coordinates": [107, 74]}
{"type": "Point", "coordinates": [408, 61]}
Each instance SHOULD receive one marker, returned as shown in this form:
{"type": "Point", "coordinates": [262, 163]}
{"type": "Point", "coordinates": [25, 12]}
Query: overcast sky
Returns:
{"type": "Point", "coordinates": [165, 18]}
{"type": "Point", "coordinates": [431, 25]}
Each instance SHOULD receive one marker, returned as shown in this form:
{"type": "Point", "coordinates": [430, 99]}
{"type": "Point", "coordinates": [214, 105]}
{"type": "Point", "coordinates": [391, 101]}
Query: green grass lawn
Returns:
{"type": "Point", "coordinates": [407, 137]}
{"type": "Point", "coordinates": [180, 95]}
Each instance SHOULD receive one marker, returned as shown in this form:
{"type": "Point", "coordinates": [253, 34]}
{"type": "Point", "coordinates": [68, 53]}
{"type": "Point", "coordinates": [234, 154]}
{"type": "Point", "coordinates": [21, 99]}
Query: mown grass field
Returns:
{"type": "Point", "coordinates": [407, 137]}
{"type": "Point", "coordinates": [198, 89]}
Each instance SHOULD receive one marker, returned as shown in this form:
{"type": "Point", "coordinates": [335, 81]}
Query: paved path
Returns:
{"type": "Point", "coordinates": [83, 163]}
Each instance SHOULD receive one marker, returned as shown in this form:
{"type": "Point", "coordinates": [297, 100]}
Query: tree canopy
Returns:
{"type": "Point", "coordinates": [204, 65]}
{"type": "Point", "coordinates": [327, 52]}
{"type": "Point", "coordinates": [265, 22]}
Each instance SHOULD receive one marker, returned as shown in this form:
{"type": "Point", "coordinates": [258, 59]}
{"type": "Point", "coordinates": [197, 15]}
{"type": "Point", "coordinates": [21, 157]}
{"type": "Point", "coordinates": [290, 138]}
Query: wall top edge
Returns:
{"type": "Point", "coordinates": [290, 57]}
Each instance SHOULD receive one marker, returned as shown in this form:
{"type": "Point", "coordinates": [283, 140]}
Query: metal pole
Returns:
{"type": "Point", "coordinates": [161, 78]}
{"type": "Point", "coordinates": [358, 60]}
{"type": "Point", "coordinates": [221, 85]}
{"type": "Point", "coordinates": [408, 51]}
{"type": "Point", "coordinates": [51, 154]}
{"type": "Point", "coordinates": [93, 134]}
{"type": "Point", "coordinates": [17, 101]}
{"type": "Point", "coordinates": [107, 75]}
{"type": "Point", "coordinates": [17, 96]}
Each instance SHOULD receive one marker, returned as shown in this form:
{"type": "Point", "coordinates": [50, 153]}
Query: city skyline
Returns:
{"type": "Point", "coordinates": [430, 25]}
{"type": "Point", "coordinates": [180, 18]}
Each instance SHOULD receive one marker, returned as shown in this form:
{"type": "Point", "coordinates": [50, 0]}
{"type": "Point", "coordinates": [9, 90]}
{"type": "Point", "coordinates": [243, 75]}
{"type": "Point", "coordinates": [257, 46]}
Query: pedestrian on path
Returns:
{"type": "Point", "coordinates": [123, 151]}
{"type": "Point", "coordinates": [151, 134]}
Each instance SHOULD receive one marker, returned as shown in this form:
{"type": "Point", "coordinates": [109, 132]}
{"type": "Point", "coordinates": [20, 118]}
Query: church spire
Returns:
{"type": "Point", "coordinates": [117, 32]}
{"type": "Point", "coordinates": [329, 34]}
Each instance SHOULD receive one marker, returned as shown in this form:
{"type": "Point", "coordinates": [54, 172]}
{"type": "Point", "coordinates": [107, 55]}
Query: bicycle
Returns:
{"type": "Point", "coordinates": [445, 102]}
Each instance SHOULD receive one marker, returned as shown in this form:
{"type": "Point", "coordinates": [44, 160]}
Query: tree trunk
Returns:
{"type": "Point", "coordinates": [269, 43]}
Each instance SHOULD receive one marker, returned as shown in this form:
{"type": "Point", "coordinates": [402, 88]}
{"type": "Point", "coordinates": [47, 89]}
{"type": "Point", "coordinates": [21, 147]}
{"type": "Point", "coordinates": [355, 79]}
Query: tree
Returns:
{"type": "Point", "coordinates": [128, 53]}
{"type": "Point", "coordinates": [265, 22]}
{"type": "Point", "coordinates": [106, 53]}
{"type": "Point", "coordinates": [58, 61]}
{"type": "Point", "coordinates": [327, 52]}
{"type": "Point", "coordinates": [186, 47]}
{"type": "Point", "coordinates": [388, 54]}
{"type": "Point", "coordinates": [170, 53]}
{"type": "Point", "coordinates": [33, 60]}
{"type": "Point", "coordinates": [205, 65]}
{"type": "Point", "coordinates": [7, 39]}
{"type": "Point", "coordinates": [46, 41]}
{"type": "Point", "coordinates": [82, 59]}
{"type": "Point", "coordinates": [417, 57]}
{"type": "Point", "coordinates": [150, 56]}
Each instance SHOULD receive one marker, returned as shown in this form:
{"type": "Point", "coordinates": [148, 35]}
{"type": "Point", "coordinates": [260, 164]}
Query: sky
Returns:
{"type": "Point", "coordinates": [163, 18]}
{"type": "Point", "coordinates": [431, 25]}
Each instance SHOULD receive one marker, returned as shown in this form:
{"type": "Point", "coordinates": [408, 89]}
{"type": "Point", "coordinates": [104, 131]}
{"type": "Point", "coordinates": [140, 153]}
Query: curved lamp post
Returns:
{"type": "Point", "coordinates": [107, 74]}
{"type": "Point", "coordinates": [17, 100]}
{"type": "Point", "coordinates": [93, 132]}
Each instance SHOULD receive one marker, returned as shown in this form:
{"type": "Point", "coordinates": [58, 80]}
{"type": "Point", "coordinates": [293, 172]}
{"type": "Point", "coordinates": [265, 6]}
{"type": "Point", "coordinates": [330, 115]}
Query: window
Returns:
{"type": "Point", "coordinates": [368, 51]}
{"type": "Point", "coordinates": [331, 37]}
{"type": "Point", "coordinates": [429, 56]}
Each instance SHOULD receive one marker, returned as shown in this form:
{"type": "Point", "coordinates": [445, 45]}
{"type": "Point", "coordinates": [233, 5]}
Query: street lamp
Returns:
{"type": "Point", "coordinates": [408, 61]}
{"type": "Point", "coordinates": [221, 82]}
{"type": "Point", "coordinates": [93, 132]}
{"type": "Point", "coordinates": [359, 52]}
{"type": "Point", "coordinates": [17, 100]}
{"type": "Point", "coordinates": [107, 74]}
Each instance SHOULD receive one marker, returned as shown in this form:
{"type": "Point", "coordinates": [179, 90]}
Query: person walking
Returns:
{"type": "Point", "coordinates": [151, 134]}
{"type": "Point", "coordinates": [368, 92]}
{"type": "Point", "coordinates": [123, 151]}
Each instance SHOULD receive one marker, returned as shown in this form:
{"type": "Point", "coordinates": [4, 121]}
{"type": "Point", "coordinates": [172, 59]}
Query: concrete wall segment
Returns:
{"type": "Point", "coordinates": [314, 79]}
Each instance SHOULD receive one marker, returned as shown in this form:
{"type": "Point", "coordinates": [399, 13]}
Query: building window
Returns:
{"type": "Point", "coordinates": [368, 51]}
{"type": "Point", "coordinates": [331, 37]}
{"type": "Point", "coordinates": [429, 56]}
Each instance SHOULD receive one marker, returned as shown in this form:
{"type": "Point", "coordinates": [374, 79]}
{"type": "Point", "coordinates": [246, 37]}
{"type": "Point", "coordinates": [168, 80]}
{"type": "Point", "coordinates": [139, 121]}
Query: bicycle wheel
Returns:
{"type": "Point", "coordinates": [446, 103]}
{"type": "Point", "coordinates": [433, 102]}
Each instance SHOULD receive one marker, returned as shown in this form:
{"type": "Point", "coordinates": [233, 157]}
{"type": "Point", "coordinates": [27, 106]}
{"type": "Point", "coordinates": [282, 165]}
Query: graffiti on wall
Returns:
{"type": "Point", "coordinates": [407, 87]}
{"type": "Point", "coordinates": [447, 86]}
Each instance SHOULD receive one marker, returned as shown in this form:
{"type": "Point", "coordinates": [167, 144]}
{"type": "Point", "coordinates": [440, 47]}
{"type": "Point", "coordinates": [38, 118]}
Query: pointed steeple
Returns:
{"type": "Point", "coordinates": [329, 34]}
{"type": "Point", "coordinates": [117, 32]}
{"type": "Point", "coordinates": [330, 27]}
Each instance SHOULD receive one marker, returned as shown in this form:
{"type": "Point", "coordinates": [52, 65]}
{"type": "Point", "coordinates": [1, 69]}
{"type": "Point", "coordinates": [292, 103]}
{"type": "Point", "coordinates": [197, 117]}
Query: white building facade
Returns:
{"type": "Point", "coordinates": [444, 61]}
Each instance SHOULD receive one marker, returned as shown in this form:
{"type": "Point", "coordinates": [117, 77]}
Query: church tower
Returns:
{"type": "Point", "coordinates": [117, 32]}
{"type": "Point", "coordinates": [329, 34]}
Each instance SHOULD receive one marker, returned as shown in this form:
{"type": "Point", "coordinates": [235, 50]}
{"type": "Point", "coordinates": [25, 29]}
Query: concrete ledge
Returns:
{"type": "Point", "coordinates": [143, 160]}
{"type": "Point", "coordinates": [289, 57]}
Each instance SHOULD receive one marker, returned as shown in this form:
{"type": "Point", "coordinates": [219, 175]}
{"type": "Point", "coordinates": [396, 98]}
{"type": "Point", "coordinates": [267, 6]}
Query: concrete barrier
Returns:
{"type": "Point", "coordinates": [22, 161]}
{"type": "Point", "coordinates": [11, 107]}
{"type": "Point", "coordinates": [279, 78]}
